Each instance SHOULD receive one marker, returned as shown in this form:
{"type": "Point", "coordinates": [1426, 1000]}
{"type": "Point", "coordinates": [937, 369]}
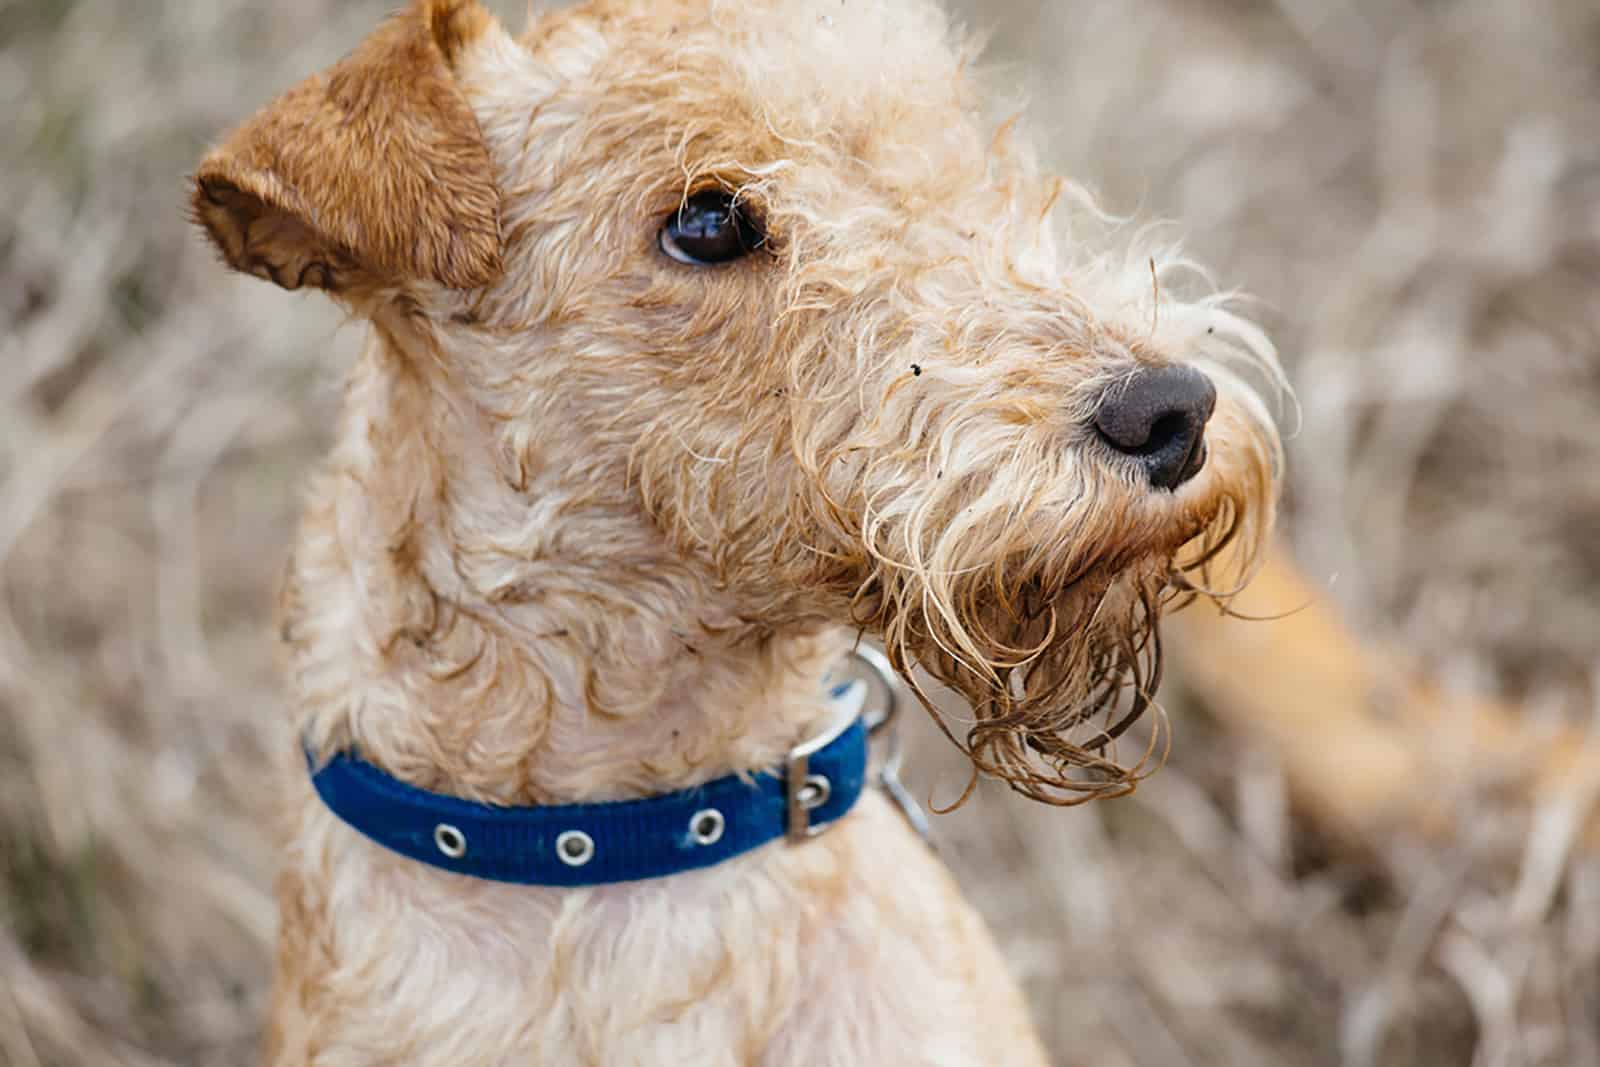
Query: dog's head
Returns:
{"type": "Point", "coordinates": [760, 266]}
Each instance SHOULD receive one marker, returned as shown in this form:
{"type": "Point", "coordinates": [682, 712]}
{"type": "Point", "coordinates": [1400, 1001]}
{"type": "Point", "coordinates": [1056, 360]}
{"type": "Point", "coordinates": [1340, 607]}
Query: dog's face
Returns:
{"type": "Point", "coordinates": [808, 318]}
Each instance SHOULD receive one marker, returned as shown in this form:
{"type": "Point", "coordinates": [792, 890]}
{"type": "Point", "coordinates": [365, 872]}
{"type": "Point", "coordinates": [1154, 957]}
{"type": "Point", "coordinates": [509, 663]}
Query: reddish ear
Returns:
{"type": "Point", "coordinates": [372, 172]}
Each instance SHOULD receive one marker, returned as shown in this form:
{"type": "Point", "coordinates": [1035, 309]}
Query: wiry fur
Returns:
{"type": "Point", "coordinates": [597, 521]}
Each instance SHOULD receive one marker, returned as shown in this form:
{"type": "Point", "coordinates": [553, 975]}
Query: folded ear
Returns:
{"type": "Point", "coordinates": [373, 172]}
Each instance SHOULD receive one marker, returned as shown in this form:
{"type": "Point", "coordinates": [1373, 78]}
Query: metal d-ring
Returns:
{"type": "Point", "coordinates": [889, 779]}
{"type": "Point", "coordinates": [882, 725]}
{"type": "Point", "coordinates": [805, 792]}
{"type": "Point", "coordinates": [877, 665]}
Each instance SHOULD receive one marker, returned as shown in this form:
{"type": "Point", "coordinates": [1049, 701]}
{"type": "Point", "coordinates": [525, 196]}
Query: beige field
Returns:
{"type": "Point", "coordinates": [1411, 189]}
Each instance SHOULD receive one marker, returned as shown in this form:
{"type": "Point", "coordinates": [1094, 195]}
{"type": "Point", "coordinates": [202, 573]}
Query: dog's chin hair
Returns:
{"type": "Point", "coordinates": [1052, 680]}
{"type": "Point", "coordinates": [1058, 663]}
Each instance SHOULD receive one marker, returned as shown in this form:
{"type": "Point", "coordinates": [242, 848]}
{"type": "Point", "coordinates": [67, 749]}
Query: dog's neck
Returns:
{"type": "Point", "coordinates": [519, 636]}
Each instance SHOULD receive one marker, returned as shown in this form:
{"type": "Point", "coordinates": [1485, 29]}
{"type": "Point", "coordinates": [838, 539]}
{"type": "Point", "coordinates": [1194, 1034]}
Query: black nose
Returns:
{"type": "Point", "coordinates": [1159, 417]}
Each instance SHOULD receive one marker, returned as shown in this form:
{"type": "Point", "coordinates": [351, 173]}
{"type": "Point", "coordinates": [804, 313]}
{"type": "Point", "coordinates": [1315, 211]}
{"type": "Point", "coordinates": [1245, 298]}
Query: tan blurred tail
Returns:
{"type": "Point", "coordinates": [1366, 743]}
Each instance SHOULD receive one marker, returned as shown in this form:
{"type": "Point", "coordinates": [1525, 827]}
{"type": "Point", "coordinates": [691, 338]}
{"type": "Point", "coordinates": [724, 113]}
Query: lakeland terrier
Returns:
{"type": "Point", "coordinates": [707, 338]}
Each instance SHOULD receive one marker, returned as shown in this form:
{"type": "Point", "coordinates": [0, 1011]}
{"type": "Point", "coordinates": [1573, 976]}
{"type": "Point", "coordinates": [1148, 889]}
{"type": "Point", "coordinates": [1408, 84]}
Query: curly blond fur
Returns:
{"type": "Point", "coordinates": [597, 521]}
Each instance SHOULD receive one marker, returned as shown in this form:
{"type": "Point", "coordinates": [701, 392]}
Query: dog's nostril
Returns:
{"type": "Point", "coordinates": [1159, 417]}
{"type": "Point", "coordinates": [1166, 429]}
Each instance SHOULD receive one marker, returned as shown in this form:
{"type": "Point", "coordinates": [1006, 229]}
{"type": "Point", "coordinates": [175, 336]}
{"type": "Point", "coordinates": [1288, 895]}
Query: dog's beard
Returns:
{"type": "Point", "coordinates": [1028, 577]}
{"type": "Point", "coordinates": [1057, 649]}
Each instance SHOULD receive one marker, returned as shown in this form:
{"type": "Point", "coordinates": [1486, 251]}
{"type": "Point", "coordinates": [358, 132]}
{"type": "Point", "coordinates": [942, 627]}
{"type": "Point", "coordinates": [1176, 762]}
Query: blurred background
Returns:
{"type": "Point", "coordinates": [1410, 191]}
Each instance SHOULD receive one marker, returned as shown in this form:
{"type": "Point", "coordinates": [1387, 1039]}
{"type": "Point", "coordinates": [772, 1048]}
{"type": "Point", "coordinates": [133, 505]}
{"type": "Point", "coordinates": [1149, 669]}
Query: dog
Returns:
{"type": "Point", "coordinates": [706, 340]}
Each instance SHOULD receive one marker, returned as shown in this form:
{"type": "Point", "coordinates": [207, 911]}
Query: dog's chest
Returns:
{"type": "Point", "coordinates": [854, 948]}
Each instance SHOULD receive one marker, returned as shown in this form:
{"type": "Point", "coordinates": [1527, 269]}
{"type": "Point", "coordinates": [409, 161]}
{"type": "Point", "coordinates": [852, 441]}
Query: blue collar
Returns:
{"type": "Point", "coordinates": [625, 841]}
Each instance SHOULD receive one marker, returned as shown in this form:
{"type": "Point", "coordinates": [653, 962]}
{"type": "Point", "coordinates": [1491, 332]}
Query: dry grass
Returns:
{"type": "Point", "coordinates": [1412, 188]}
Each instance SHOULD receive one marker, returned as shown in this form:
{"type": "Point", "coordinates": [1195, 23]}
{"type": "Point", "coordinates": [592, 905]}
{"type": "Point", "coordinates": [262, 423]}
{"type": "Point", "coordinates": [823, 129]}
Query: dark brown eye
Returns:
{"type": "Point", "coordinates": [710, 228]}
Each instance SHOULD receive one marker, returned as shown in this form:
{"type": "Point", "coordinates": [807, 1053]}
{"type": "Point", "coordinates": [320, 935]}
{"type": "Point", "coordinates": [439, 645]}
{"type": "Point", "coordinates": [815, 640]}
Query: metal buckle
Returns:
{"type": "Point", "coordinates": [805, 792]}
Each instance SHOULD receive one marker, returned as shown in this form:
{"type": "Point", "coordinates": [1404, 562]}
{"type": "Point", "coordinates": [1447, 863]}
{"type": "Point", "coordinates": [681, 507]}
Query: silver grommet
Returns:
{"type": "Point", "coordinates": [450, 841]}
{"type": "Point", "coordinates": [706, 826]}
{"type": "Point", "coordinates": [815, 792]}
{"type": "Point", "coordinates": [575, 848]}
